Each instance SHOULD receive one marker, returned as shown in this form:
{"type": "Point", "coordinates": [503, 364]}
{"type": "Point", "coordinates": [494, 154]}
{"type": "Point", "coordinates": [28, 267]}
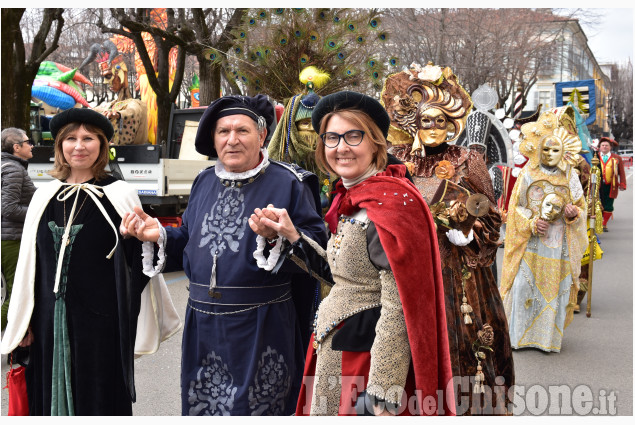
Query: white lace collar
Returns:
{"type": "Point", "coordinates": [223, 174]}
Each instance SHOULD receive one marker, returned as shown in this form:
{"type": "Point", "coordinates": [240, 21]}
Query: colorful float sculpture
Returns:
{"type": "Point", "coordinates": [194, 91]}
{"type": "Point", "coordinates": [57, 86]}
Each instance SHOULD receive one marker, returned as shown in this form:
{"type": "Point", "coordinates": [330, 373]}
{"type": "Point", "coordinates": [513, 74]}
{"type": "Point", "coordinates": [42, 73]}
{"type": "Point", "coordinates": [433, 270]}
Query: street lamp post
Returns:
{"type": "Point", "coordinates": [561, 40]}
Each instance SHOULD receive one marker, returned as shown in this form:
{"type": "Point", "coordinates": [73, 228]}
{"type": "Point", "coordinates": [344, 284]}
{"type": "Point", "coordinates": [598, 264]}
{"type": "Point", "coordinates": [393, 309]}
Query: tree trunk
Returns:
{"type": "Point", "coordinates": [13, 75]}
{"type": "Point", "coordinates": [438, 56]}
{"type": "Point", "coordinates": [16, 89]}
{"type": "Point", "coordinates": [163, 119]}
{"type": "Point", "coordinates": [209, 81]}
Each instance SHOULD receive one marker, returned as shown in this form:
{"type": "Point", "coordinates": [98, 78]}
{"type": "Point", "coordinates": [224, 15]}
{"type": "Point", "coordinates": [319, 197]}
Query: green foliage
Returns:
{"type": "Point", "coordinates": [272, 46]}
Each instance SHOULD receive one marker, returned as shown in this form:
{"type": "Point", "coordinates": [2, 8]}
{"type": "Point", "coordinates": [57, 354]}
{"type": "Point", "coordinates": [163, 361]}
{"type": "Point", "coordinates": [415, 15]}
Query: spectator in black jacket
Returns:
{"type": "Point", "coordinates": [17, 191]}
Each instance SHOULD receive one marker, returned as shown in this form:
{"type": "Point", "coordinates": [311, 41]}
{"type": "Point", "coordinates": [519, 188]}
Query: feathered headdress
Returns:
{"type": "Point", "coordinates": [272, 46]}
{"type": "Point", "coordinates": [288, 143]}
{"type": "Point", "coordinates": [314, 79]}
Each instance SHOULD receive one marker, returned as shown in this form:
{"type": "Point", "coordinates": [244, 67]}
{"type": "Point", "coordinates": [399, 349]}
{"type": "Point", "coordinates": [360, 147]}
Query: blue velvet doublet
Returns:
{"type": "Point", "coordinates": [243, 349]}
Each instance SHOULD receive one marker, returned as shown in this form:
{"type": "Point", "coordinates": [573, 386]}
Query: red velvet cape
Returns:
{"type": "Point", "coordinates": [407, 233]}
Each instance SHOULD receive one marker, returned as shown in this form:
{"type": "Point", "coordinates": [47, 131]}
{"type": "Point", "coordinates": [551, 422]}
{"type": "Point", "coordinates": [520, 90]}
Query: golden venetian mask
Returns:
{"type": "Point", "coordinates": [551, 151]}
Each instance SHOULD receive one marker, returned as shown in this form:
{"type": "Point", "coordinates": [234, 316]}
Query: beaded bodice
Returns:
{"type": "Point", "coordinates": [357, 282]}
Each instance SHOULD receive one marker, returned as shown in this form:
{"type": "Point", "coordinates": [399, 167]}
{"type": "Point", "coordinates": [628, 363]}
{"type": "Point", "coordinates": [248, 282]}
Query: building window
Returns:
{"type": "Point", "coordinates": [544, 97]}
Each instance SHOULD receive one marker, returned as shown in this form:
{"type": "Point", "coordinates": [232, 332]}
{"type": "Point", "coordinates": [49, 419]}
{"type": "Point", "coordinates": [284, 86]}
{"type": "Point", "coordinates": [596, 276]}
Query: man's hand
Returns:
{"type": "Point", "coordinates": [257, 224]}
{"type": "Point", "coordinates": [270, 222]}
{"type": "Point", "coordinates": [140, 225]}
{"type": "Point", "coordinates": [541, 227]}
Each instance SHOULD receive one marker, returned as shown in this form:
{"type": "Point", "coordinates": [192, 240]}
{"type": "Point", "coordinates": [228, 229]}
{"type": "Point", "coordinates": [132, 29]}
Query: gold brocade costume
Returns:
{"type": "Point", "coordinates": [540, 275]}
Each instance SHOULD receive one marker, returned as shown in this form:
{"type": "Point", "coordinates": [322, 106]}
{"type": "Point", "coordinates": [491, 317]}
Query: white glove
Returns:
{"type": "Point", "coordinates": [458, 238]}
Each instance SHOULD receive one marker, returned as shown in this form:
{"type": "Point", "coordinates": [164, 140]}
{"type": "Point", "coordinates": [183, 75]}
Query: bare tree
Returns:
{"type": "Point", "coordinates": [20, 68]}
{"type": "Point", "coordinates": [209, 30]}
{"type": "Point", "coordinates": [507, 48]}
{"type": "Point", "coordinates": [621, 103]}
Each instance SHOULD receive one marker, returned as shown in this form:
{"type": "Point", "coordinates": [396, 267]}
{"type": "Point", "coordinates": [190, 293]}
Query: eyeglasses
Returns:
{"type": "Point", "coordinates": [351, 137]}
{"type": "Point", "coordinates": [29, 141]}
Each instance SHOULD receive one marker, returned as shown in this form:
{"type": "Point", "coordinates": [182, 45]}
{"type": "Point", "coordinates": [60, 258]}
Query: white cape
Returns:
{"type": "Point", "coordinates": [158, 318]}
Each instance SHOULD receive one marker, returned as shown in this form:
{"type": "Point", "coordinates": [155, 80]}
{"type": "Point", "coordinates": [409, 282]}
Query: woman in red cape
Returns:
{"type": "Point", "coordinates": [380, 343]}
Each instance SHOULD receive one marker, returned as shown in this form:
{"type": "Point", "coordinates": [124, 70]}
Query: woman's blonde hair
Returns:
{"type": "Point", "coordinates": [366, 124]}
{"type": "Point", "coordinates": [61, 170]}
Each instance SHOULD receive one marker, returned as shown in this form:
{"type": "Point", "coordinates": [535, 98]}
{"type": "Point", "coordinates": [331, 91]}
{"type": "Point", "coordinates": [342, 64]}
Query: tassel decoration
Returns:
{"type": "Point", "coordinates": [212, 281]}
{"type": "Point", "coordinates": [479, 379]}
{"type": "Point", "coordinates": [466, 309]}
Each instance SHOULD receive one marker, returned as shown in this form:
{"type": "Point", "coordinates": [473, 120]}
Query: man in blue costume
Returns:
{"type": "Point", "coordinates": [246, 325]}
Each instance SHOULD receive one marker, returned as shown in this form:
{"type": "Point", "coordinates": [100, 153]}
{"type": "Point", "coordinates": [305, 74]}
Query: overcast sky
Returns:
{"type": "Point", "coordinates": [612, 40]}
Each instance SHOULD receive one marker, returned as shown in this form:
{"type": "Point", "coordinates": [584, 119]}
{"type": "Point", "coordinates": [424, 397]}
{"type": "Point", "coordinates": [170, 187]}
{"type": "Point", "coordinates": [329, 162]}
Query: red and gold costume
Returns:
{"type": "Point", "coordinates": [472, 301]}
{"type": "Point", "coordinates": [613, 179]}
{"type": "Point", "coordinates": [410, 348]}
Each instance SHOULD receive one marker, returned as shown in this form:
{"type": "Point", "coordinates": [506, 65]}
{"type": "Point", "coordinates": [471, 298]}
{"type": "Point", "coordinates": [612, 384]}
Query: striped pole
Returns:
{"type": "Point", "coordinates": [518, 103]}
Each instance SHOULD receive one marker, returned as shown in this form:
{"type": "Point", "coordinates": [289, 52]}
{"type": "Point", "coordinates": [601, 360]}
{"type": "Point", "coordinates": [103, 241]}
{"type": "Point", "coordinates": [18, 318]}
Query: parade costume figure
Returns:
{"type": "Point", "coordinates": [381, 330]}
{"type": "Point", "coordinates": [570, 119]}
{"type": "Point", "coordinates": [247, 321]}
{"type": "Point", "coordinates": [613, 177]}
{"type": "Point", "coordinates": [81, 287]}
{"type": "Point", "coordinates": [488, 135]}
{"type": "Point", "coordinates": [425, 104]}
{"type": "Point", "coordinates": [294, 140]}
{"type": "Point", "coordinates": [127, 115]}
{"type": "Point", "coordinates": [546, 237]}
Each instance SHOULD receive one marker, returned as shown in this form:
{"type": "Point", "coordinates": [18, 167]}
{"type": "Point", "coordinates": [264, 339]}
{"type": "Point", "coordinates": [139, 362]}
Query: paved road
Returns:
{"type": "Point", "coordinates": [597, 352]}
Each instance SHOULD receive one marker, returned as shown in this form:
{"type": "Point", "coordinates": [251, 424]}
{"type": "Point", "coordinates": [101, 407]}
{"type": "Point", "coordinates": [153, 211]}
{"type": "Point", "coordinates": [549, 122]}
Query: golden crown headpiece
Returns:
{"type": "Point", "coordinates": [548, 127]}
{"type": "Point", "coordinates": [407, 94]}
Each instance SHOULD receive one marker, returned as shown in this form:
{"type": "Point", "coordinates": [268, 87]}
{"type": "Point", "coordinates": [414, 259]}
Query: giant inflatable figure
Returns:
{"type": "Point", "coordinates": [57, 86]}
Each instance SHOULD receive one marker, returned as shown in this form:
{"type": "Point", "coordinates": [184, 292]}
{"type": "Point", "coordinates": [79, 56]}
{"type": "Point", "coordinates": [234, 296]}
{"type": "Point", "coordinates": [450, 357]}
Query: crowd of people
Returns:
{"type": "Point", "coordinates": [387, 304]}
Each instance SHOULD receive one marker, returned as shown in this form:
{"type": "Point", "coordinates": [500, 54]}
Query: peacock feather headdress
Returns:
{"type": "Point", "coordinates": [272, 46]}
